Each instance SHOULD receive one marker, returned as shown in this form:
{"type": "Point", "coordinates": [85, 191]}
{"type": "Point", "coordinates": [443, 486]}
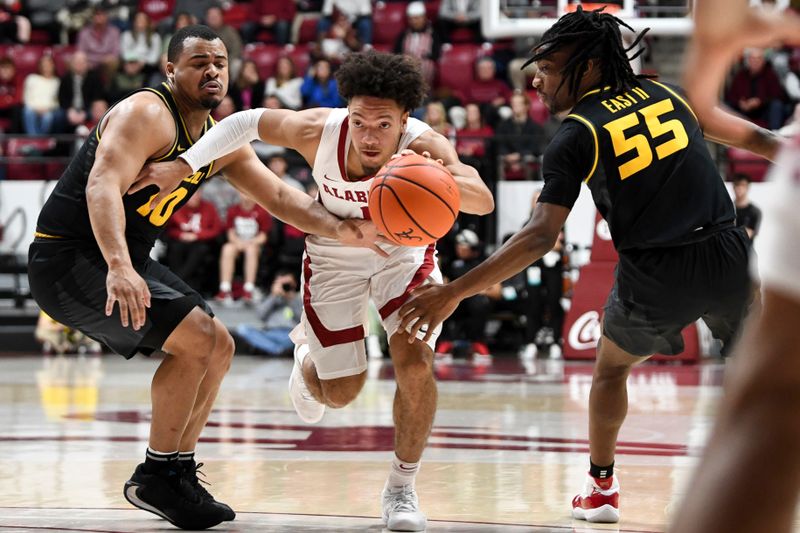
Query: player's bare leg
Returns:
{"type": "Point", "coordinates": [608, 406]}
{"type": "Point", "coordinates": [198, 354]}
{"type": "Point", "coordinates": [414, 410]}
{"type": "Point", "coordinates": [751, 467]}
{"type": "Point", "coordinates": [218, 367]}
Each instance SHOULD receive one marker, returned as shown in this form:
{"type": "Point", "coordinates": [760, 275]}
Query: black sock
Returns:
{"type": "Point", "coordinates": [186, 459]}
{"type": "Point", "coordinates": [156, 461]}
{"type": "Point", "coordinates": [601, 472]}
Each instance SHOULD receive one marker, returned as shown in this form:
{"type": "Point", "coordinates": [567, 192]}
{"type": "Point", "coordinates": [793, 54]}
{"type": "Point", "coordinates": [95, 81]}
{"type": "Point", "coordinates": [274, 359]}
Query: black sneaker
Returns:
{"type": "Point", "coordinates": [169, 495]}
{"type": "Point", "coordinates": [190, 471]}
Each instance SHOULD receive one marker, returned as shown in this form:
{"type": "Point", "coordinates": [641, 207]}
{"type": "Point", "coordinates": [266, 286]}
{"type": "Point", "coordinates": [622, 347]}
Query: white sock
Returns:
{"type": "Point", "coordinates": [249, 287]}
{"type": "Point", "coordinates": [225, 286]}
{"type": "Point", "coordinates": [402, 473]}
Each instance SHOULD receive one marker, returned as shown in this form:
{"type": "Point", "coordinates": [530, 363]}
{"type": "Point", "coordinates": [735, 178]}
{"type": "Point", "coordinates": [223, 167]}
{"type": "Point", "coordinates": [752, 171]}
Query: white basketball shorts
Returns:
{"type": "Point", "coordinates": [337, 283]}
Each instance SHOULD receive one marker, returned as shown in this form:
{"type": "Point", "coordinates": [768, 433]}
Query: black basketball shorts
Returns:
{"type": "Point", "coordinates": [68, 281]}
{"type": "Point", "coordinates": [660, 291]}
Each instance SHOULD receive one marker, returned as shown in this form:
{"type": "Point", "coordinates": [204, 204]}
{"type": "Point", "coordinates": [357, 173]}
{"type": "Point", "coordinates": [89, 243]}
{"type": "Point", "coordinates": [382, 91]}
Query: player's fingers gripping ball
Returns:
{"type": "Point", "coordinates": [413, 200]}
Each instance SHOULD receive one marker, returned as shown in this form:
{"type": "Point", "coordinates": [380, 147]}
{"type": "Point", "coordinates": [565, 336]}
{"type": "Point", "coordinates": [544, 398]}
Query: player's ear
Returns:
{"type": "Point", "coordinates": [170, 71]}
{"type": "Point", "coordinates": [404, 120]}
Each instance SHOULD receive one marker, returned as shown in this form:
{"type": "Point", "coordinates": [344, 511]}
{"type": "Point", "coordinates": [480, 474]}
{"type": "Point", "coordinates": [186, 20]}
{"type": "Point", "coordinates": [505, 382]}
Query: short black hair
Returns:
{"type": "Point", "coordinates": [740, 176]}
{"type": "Point", "coordinates": [382, 75]}
{"type": "Point", "coordinates": [187, 32]}
{"type": "Point", "coordinates": [592, 35]}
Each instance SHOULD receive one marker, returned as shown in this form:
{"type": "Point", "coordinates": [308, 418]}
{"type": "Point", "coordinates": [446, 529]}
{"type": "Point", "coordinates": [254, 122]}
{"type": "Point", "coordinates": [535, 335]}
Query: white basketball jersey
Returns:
{"type": "Point", "coordinates": [343, 198]}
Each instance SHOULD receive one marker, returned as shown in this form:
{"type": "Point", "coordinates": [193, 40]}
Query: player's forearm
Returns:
{"type": "Point", "coordinates": [521, 250]}
{"type": "Point", "coordinates": [301, 211]}
{"type": "Point", "coordinates": [724, 127]}
{"type": "Point", "coordinates": [107, 216]}
{"type": "Point", "coordinates": [476, 198]}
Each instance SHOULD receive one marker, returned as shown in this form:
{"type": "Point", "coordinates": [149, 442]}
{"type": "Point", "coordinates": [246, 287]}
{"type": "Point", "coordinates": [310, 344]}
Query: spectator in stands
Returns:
{"type": "Point", "coordinates": [160, 13]}
{"type": "Point", "coordinates": [196, 9]}
{"type": "Point", "coordinates": [191, 239]}
{"type": "Point", "coordinates": [130, 77]}
{"type": "Point", "coordinates": [747, 214]}
{"type": "Point", "coordinates": [472, 138]}
{"type": "Point", "coordinates": [277, 164]}
{"type": "Point", "coordinates": [436, 117]}
{"type": "Point", "coordinates": [230, 37]}
{"type": "Point", "coordinates": [159, 76]}
{"type": "Point", "coordinates": [97, 109]}
{"type": "Point", "coordinates": [247, 90]}
{"type": "Point", "coordinates": [14, 28]}
{"type": "Point", "coordinates": [225, 108]}
{"type": "Point", "coordinates": [181, 20]}
{"type": "Point", "coordinates": [269, 15]}
{"type": "Point", "coordinates": [319, 87]}
{"type": "Point", "coordinates": [518, 137]}
{"type": "Point", "coordinates": [420, 40]}
{"type": "Point", "coordinates": [142, 43]}
{"type": "Point", "coordinates": [247, 228]}
{"type": "Point", "coordinates": [455, 14]}
{"type": "Point", "coordinates": [285, 84]}
{"type": "Point", "coordinates": [10, 96]}
{"type": "Point", "coordinates": [357, 12]}
{"type": "Point", "coordinates": [468, 323]}
{"type": "Point", "coordinates": [339, 40]}
{"type": "Point", "coordinates": [43, 15]}
{"type": "Point", "coordinates": [78, 88]}
{"type": "Point", "coordinates": [486, 90]}
{"type": "Point", "coordinates": [100, 41]}
{"type": "Point", "coordinates": [279, 314]}
{"type": "Point", "coordinates": [41, 114]}
{"type": "Point", "coordinates": [756, 91]}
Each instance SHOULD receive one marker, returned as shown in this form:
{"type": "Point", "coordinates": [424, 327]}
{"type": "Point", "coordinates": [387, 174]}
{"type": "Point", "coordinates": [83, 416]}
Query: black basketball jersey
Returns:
{"type": "Point", "coordinates": [65, 215]}
{"type": "Point", "coordinates": [643, 156]}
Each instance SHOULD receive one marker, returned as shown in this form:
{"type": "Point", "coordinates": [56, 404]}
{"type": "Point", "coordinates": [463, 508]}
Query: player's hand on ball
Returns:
{"type": "Point", "coordinates": [166, 176]}
{"type": "Point", "coordinates": [429, 306]}
{"type": "Point", "coordinates": [361, 233]}
{"type": "Point", "coordinates": [409, 151]}
{"type": "Point", "coordinates": [126, 287]}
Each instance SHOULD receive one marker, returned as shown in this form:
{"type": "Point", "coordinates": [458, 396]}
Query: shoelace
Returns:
{"type": "Point", "coordinates": [403, 500]}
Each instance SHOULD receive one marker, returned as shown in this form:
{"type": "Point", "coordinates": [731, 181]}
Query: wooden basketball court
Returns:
{"type": "Point", "coordinates": [507, 453]}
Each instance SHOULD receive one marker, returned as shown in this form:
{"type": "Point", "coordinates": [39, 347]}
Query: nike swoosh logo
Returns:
{"type": "Point", "coordinates": [403, 467]}
{"type": "Point", "coordinates": [181, 148]}
{"type": "Point", "coordinates": [130, 495]}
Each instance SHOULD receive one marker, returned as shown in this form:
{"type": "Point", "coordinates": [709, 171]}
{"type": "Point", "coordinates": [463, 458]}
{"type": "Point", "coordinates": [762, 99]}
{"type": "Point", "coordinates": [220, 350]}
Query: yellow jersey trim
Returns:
{"type": "Point", "coordinates": [593, 91]}
{"type": "Point", "coordinates": [596, 143]}
{"type": "Point", "coordinates": [676, 95]}
{"type": "Point", "coordinates": [46, 235]}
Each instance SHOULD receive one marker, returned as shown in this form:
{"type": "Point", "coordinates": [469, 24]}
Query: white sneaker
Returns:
{"type": "Point", "coordinates": [597, 503]}
{"type": "Point", "coordinates": [307, 407]}
{"type": "Point", "coordinates": [401, 509]}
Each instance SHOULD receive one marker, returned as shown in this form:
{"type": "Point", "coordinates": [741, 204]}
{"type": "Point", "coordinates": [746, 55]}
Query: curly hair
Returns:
{"type": "Point", "coordinates": [592, 35]}
{"type": "Point", "coordinates": [382, 75]}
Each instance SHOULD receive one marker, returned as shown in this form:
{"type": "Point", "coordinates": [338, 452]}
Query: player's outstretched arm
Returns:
{"type": "Point", "coordinates": [723, 29]}
{"type": "Point", "coordinates": [299, 130]}
{"type": "Point", "coordinates": [246, 172]}
{"type": "Point", "coordinates": [432, 304]}
{"type": "Point", "coordinates": [475, 196]}
{"type": "Point", "coordinates": [117, 161]}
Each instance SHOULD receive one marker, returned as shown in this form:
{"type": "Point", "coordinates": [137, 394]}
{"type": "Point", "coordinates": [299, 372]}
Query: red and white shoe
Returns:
{"type": "Point", "coordinates": [598, 502]}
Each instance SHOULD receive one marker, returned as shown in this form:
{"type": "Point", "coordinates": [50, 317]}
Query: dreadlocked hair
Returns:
{"type": "Point", "coordinates": [594, 35]}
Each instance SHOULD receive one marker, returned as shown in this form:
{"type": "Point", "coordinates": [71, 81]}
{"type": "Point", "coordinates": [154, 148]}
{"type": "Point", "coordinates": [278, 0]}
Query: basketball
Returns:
{"type": "Point", "coordinates": [413, 200]}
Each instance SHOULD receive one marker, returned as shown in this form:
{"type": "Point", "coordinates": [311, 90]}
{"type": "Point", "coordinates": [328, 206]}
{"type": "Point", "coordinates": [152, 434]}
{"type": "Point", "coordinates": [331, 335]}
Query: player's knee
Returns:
{"type": "Point", "coordinates": [412, 369]}
{"type": "Point", "coordinates": [224, 348]}
{"type": "Point", "coordinates": [341, 391]}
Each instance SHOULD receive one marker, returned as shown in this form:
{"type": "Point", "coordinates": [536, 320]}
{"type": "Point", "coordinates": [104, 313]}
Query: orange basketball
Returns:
{"type": "Point", "coordinates": [413, 200]}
